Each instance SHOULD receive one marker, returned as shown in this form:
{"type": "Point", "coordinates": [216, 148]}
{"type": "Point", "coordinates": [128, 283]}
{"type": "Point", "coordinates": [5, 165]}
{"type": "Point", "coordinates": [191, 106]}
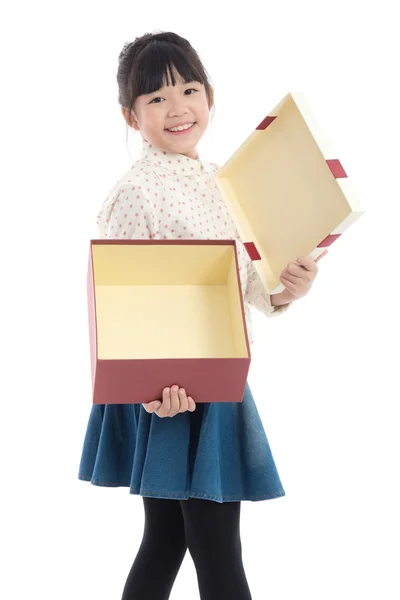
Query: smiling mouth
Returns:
{"type": "Point", "coordinates": [182, 130]}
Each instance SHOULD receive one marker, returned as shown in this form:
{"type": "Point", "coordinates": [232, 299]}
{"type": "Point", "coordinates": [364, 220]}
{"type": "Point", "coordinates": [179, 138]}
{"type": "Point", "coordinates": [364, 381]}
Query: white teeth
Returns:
{"type": "Point", "coordinates": [181, 128]}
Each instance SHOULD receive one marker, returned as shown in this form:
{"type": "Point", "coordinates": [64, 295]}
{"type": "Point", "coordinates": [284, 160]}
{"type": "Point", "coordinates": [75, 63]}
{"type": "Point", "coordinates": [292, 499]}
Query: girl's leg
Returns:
{"type": "Point", "coordinates": [213, 538]}
{"type": "Point", "coordinates": [161, 552]}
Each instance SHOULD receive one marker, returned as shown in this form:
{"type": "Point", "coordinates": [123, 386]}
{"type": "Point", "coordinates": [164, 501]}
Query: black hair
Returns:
{"type": "Point", "coordinates": [146, 62]}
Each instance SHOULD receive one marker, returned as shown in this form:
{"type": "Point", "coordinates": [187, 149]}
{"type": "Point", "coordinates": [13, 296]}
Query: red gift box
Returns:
{"type": "Point", "coordinates": [287, 190]}
{"type": "Point", "coordinates": [164, 312]}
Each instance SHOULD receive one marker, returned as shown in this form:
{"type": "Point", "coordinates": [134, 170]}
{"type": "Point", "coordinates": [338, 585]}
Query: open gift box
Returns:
{"type": "Point", "coordinates": [164, 312]}
{"type": "Point", "coordinates": [288, 192]}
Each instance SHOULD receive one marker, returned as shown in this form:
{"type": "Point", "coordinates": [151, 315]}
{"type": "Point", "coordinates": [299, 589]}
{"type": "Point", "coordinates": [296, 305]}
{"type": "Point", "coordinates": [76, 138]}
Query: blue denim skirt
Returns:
{"type": "Point", "coordinates": [219, 452]}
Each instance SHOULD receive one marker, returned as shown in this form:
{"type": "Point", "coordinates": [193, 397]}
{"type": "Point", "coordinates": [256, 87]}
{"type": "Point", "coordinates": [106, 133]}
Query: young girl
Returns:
{"type": "Point", "coordinates": [195, 467]}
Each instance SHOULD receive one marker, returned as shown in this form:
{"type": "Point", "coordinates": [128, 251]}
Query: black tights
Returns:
{"type": "Point", "coordinates": [211, 532]}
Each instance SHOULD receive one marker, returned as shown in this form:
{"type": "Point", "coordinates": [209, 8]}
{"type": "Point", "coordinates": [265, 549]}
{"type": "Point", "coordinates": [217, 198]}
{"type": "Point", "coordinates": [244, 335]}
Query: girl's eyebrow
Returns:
{"type": "Point", "coordinates": [167, 86]}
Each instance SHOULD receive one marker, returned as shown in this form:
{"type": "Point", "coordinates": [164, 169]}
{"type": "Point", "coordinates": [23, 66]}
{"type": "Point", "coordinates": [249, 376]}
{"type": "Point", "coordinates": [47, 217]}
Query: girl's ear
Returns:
{"type": "Point", "coordinates": [134, 122]}
{"type": "Point", "coordinates": [130, 118]}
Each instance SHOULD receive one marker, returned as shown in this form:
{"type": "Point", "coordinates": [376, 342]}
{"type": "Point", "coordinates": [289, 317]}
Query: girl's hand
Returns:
{"type": "Point", "coordinates": [174, 401]}
{"type": "Point", "coordinates": [299, 275]}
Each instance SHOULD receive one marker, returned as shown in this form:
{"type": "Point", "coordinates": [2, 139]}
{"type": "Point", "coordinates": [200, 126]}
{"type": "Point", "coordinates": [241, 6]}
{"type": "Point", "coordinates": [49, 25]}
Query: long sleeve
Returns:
{"type": "Point", "coordinates": [254, 292]}
{"type": "Point", "coordinates": [127, 214]}
{"type": "Point", "coordinates": [257, 296]}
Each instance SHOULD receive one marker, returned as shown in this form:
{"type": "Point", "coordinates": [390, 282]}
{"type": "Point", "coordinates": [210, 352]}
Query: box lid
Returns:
{"type": "Point", "coordinates": [289, 193]}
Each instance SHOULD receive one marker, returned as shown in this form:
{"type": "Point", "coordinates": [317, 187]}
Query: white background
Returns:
{"type": "Point", "coordinates": [325, 376]}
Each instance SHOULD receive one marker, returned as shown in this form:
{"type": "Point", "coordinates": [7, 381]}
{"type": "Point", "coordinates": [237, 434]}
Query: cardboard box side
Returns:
{"type": "Point", "coordinates": [282, 171]}
{"type": "Point", "coordinates": [236, 309]}
{"type": "Point", "coordinates": [164, 321]}
{"type": "Point", "coordinates": [162, 264]}
{"type": "Point", "coordinates": [138, 381]}
{"type": "Point", "coordinates": [92, 322]}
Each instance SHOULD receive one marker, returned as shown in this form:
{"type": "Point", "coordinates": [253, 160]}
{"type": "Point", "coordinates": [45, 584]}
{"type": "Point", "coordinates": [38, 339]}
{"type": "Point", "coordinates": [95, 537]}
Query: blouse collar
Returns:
{"type": "Point", "coordinates": [173, 161]}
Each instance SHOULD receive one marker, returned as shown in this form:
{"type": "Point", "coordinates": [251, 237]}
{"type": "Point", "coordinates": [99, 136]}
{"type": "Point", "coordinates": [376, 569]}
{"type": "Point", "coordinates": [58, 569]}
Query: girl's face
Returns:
{"type": "Point", "coordinates": [168, 107]}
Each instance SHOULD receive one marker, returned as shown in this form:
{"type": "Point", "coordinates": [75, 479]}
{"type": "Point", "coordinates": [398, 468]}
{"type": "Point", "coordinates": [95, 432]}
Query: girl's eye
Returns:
{"type": "Point", "coordinates": [159, 97]}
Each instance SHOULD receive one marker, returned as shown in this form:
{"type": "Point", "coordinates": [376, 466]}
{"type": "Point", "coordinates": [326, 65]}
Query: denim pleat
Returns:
{"type": "Point", "coordinates": [219, 452]}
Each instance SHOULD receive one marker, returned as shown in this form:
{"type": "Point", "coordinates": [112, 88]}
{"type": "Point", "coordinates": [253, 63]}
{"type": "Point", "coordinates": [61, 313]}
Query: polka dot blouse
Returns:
{"type": "Point", "coordinates": [166, 195]}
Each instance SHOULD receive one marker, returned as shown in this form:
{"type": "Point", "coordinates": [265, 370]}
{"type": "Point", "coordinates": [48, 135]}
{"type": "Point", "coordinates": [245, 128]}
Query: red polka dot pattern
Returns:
{"type": "Point", "coordinates": [166, 195]}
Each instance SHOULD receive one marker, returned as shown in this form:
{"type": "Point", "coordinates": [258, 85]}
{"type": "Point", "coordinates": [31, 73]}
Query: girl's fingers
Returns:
{"type": "Point", "coordinates": [184, 400]}
{"type": "Point", "coordinates": [166, 401]}
{"type": "Point", "coordinates": [151, 407]}
{"type": "Point", "coordinates": [175, 402]}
